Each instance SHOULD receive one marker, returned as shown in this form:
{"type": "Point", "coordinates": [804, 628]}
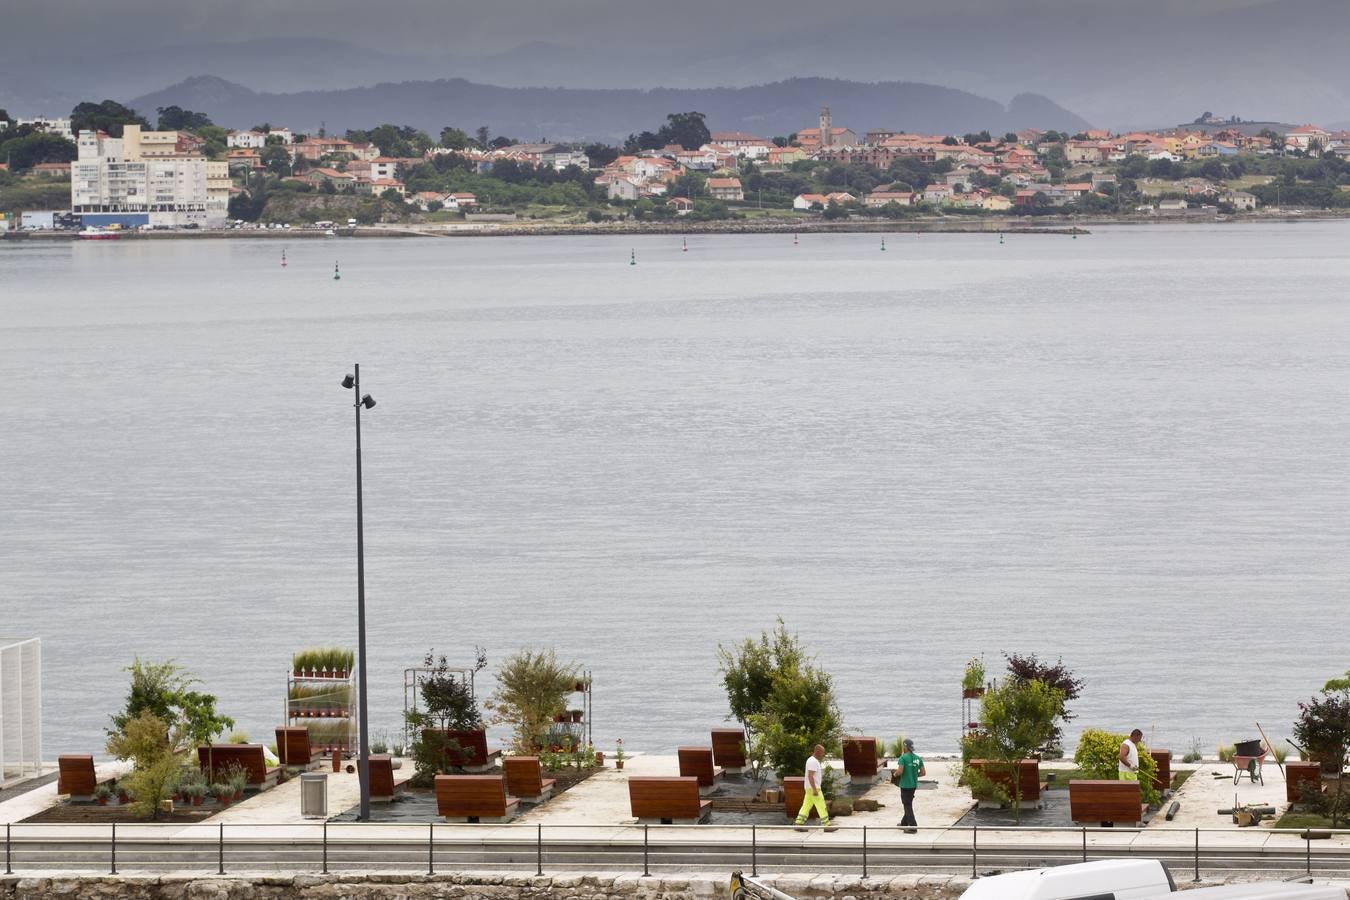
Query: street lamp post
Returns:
{"type": "Point", "coordinates": [353, 383]}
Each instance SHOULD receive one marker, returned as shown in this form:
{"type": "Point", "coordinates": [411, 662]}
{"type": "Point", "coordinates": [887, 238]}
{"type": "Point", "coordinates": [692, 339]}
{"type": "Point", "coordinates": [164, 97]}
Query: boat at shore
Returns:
{"type": "Point", "coordinates": [98, 234]}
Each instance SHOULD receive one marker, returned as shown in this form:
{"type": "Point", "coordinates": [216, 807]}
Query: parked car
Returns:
{"type": "Point", "coordinates": [1268, 890]}
{"type": "Point", "coordinates": [1119, 879]}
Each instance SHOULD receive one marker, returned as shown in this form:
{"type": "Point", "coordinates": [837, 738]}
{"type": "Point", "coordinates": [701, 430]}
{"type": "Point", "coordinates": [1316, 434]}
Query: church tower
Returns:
{"type": "Point", "coordinates": [826, 129]}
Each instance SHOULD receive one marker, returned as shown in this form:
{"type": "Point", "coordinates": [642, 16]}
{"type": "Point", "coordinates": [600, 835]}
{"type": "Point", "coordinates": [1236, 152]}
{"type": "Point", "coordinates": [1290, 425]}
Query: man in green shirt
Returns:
{"type": "Point", "coordinates": [909, 768]}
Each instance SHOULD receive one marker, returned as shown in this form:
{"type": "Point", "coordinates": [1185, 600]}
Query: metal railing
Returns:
{"type": "Point", "coordinates": [536, 848]}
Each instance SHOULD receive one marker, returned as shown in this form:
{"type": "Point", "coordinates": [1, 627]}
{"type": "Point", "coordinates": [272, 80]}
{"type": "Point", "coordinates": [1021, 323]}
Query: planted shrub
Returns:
{"type": "Point", "coordinates": [787, 703]}
{"type": "Point", "coordinates": [532, 688]}
{"type": "Point", "coordinates": [447, 704]}
{"type": "Point", "coordinates": [1098, 755]}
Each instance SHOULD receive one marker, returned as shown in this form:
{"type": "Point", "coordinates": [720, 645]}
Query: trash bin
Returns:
{"type": "Point", "coordinates": [314, 795]}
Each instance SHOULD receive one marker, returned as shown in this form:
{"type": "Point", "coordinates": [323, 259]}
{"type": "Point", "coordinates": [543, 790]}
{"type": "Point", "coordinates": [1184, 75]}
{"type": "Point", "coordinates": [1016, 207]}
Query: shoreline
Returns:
{"type": "Point", "coordinates": [1044, 225]}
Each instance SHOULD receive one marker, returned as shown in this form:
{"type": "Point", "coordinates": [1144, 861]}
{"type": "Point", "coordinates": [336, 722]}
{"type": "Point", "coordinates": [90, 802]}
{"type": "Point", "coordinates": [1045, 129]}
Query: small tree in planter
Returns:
{"type": "Point", "coordinates": [448, 709]}
{"type": "Point", "coordinates": [532, 689]}
{"type": "Point", "coordinates": [1018, 717]}
{"type": "Point", "coordinates": [1058, 676]}
{"type": "Point", "coordinates": [148, 743]}
{"type": "Point", "coordinates": [797, 711]}
{"type": "Point", "coordinates": [1322, 732]}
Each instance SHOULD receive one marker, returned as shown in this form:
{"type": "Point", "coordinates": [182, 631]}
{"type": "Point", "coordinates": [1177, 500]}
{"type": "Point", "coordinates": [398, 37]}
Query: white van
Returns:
{"type": "Point", "coordinates": [1107, 879]}
{"type": "Point", "coordinates": [1268, 890]}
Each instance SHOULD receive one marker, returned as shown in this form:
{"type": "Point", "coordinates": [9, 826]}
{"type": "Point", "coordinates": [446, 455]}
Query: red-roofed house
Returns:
{"type": "Point", "coordinates": [725, 189]}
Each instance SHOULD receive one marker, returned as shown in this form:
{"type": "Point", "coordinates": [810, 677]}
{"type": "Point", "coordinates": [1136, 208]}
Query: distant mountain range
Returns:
{"type": "Point", "coordinates": [569, 114]}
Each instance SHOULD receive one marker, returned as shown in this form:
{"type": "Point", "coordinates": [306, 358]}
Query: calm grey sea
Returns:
{"type": "Point", "coordinates": [1128, 449]}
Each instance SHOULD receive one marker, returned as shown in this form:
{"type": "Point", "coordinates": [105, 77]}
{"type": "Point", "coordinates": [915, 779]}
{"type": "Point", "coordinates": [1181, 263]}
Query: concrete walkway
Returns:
{"type": "Point", "coordinates": [35, 801]}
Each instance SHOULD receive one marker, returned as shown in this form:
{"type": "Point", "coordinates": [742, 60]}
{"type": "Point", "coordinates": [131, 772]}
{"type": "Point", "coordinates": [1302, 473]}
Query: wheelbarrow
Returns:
{"type": "Point", "coordinates": [1248, 757]}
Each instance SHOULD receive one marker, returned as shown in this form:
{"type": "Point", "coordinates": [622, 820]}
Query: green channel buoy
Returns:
{"type": "Point", "coordinates": [632, 257]}
{"type": "Point", "coordinates": [337, 276]}
{"type": "Point", "coordinates": [883, 244]}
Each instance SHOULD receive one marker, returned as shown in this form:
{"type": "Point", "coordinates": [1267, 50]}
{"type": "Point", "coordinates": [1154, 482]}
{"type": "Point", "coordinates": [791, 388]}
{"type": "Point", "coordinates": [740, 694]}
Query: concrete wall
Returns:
{"type": "Point", "coordinates": [492, 887]}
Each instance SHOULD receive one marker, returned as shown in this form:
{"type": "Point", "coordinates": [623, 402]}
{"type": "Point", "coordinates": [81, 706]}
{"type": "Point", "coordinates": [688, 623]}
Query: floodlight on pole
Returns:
{"type": "Point", "coordinates": [353, 383]}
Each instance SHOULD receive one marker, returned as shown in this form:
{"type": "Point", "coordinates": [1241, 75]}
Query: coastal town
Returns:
{"type": "Point", "coordinates": [106, 168]}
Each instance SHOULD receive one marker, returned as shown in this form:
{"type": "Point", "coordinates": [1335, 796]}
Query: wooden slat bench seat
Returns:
{"type": "Point", "coordinates": [473, 755]}
{"type": "Point", "coordinates": [1093, 802]}
{"type": "Point", "coordinates": [293, 748]}
{"type": "Point", "coordinates": [474, 798]}
{"type": "Point", "coordinates": [1028, 777]}
{"type": "Point", "coordinates": [1163, 760]}
{"type": "Point", "coordinates": [1301, 779]}
{"type": "Point", "coordinates": [698, 762]}
{"type": "Point", "coordinates": [667, 801]}
{"type": "Point", "coordinates": [525, 779]}
{"type": "Point", "coordinates": [76, 776]}
{"type": "Point", "coordinates": [861, 761]}
{"type": "Point", "coordinates": [217, 758]}
{"type": "Point", "coordinates": [383, 787]}
{"type": "Point", "coordinates": [794, 792]}
{"type": "Point", "coordinates": [728, 746]}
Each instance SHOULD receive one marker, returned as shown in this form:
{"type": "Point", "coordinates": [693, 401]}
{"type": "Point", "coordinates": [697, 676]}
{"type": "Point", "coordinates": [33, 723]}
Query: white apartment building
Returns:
{"type": "Point", "coordinates": [51, 126]}
{"type": "Point", "coordinates": [248, 140]}
{"type": "Point", "coordinates": [136, 180]}
{"type": "Point", "coordinates": [256, 140]}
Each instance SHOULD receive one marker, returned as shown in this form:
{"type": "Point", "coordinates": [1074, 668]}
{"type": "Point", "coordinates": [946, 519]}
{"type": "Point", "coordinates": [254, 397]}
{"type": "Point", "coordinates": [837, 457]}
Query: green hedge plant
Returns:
{"type": "Point", "coordinates": [1098, 756]}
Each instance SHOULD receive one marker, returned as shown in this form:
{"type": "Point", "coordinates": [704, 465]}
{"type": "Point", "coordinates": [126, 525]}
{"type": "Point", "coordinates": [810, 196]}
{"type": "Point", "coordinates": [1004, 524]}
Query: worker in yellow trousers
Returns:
{"type": "Point", "coordinates": [815, 789]}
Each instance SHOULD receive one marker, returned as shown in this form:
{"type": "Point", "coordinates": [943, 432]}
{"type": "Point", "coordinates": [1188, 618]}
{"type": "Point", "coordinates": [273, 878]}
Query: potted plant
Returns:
{"type": "Point", "coordinates": [101, 794]}
{"type": "Point", "coordinates": [972, 681]}
{"type": "Point", "coordinates": [619, 755]}
{"type": "Point", "coordinates": [222, 793]}
{"type": "Point", "coordinates": [123, 795]}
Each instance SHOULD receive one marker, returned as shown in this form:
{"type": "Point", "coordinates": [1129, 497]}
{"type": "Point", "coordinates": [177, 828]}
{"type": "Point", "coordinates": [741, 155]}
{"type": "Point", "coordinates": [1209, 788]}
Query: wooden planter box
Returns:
{"type": "Point", "coordinates": [1301, 777]}
{"type": "Point", "coordinates": [1028, 778]}
{"type": "Point", "coordinates": [473, 753]}
{"type": "Point", "coordinates": [1163, 759]}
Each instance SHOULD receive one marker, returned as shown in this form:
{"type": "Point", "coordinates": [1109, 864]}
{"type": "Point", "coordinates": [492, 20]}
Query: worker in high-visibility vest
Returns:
{"type": "Point", "coordinates": [815, 788]}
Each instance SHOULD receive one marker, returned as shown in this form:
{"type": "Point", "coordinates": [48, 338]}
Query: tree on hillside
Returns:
{"type": "Point", "coordinates": [4, 115]}
{"type": "Point", "coordinates": [501, 141]}
{"type": "Point", "coordinates": [482, 135]}
{"type": "Point", "coordinates": [454, 139]}
{"type": "Point", "coordinates": [601, 154]}
{"type": "Point", "coordinates": [108, 116]}
{"type": "Point", "coordinates": [25, 147]}
{"type": "Point", "coordinates": [175, 118]}
{"type": "Point", "coordinates": [277, 159]}
{"type": "Point", "coordinates": [688, 129]}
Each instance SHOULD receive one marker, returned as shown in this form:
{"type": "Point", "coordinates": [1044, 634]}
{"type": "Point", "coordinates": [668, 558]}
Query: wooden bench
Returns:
{"type": "Point", "coordinates": [215, 759]}
{"type": "Point", "coordinates": [293, 747]}
{"type": "Point", "coordinates": [667, 801]}
{"type": "Point", "coordinates": [76, 776]}
{"type": "Point", "coordinates": [698, 762]}
{"type": "Point", "coordinates": [794, 792]}
{"type": "Point", "coordinates": [1301, 779]}
{"type": "Point", "coordinates": [861, 761]}
{"type": "Point", "coordinates": [1163, 760]}
{"type": "Point", "coordinates": [1092, 801]}
{"type": "Point", "coordinates": [1028, 779]}
{"type": "Point", "coordinates": [474, 798]}
{"type": "Point", "coordinates": [382, 785]}
{"type": "Point", "coordinates": [473, 755]}
{"type": "Point", "coordinates": [728, 746]}
{"type": "Point", "coordinates": [525, 779]}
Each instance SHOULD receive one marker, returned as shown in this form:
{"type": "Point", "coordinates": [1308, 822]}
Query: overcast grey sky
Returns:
{"type": "Point", "coordinates": [447, 25]}
{"type": "Point", "coordinates": [1135, 63]}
